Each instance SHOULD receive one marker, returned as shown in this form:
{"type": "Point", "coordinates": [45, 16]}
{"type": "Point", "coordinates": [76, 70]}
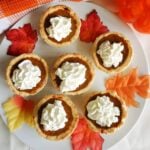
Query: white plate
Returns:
{"type": "Point", "coordinates": [29, 135]}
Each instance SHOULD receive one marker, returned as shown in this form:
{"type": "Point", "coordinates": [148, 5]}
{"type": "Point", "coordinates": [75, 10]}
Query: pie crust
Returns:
{"type": "Point", "coordinates": [60, 10]}
{"type": "Point", "coordinates": [74, 57]}
{"type": "Point", "coordinates": [117, 102]}
{"type": "Point", "coordinates": [72, 115]}
{"type": "Point", "coordinates": [36, 60]}
{"type": "Point", "coordinates": [112, 37]}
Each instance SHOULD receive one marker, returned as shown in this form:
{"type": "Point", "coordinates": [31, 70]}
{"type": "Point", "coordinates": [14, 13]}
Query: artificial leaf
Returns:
{"type": "Point", "coordinates": [127, 85]}
{"type": "Point", "coordinates": [18, 111]}
{"type": "Point", "coordinates": [23, 40]}
{"type": "Point", "coordinates": [84, 138]}
{"type": "Point", "coordinates": [92, 27]}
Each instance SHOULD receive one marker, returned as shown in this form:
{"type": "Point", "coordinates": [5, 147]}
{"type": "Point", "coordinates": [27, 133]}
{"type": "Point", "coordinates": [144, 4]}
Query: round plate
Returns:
{"type": "Point", "coordinates": [28, 135]}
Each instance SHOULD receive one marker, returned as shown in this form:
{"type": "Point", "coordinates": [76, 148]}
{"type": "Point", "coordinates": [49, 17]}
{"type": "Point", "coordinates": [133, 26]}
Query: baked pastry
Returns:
{"type": "Point", "coordinates": [27, 74]}
{"type": "Point", "coordinates": [105, 112]}
{"type": "Point", "coordinates": [59, 25]}
{"type": "Point", "coordinates": [72, 74]}
{"type": "Point", "coordinates": [55, 117]}
{"type": "Point", "coordinates": [112, 52]}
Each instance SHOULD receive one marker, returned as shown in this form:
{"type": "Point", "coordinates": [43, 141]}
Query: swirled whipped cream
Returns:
{"type": "Point", "coordinates": [72, 76]}
{"type": "Point", "coordinates": [103, 111]}
{"type": "Point", "coordinates": [111, 54]}
{"type": "Point", "coordinates": [54, 116]}
{"type": "Point", "coordinates": [60, 27]}
{"type": "Point", "coordinates": [26, 76]}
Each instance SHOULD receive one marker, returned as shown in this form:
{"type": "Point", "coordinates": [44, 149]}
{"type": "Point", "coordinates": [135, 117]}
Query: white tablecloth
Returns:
{"type": "Point", "coordinates": [138, 139]}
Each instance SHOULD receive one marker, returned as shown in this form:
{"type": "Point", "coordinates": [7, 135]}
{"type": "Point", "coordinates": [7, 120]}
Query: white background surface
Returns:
{"type": "Point", "coordinates": [138, 139]}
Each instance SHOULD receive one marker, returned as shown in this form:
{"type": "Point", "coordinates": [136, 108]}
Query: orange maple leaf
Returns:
{"type": "Point", "coordinates": [127, 85]}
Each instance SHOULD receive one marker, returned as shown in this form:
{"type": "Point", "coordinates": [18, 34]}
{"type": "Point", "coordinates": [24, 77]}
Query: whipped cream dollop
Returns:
{"type": "Point", "coordinates": [111, 54]}
{"type": "Point", "coordinates": [54, 116]}
{"type": "Point", "coordinates": [60, 27]}
{"type": "Point", "coordinates": [26, 76]}
{"type": "Point", "coordinates": [72, 76]}
{"type": "Point", "coordinates": [103, 111]}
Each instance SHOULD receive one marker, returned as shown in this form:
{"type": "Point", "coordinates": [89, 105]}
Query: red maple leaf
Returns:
{"type": "Point", "coordinates": [83, 137]}
{"type": "Point", "coordinates": [92, 27]}
{"type": "Point", "coordinates": [23, 40]}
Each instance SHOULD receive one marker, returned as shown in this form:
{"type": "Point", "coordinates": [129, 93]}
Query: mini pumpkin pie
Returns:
{"type": "Point", "coordinates": [55, 117]}
{"type": "Point", "coordinates": [72, 74]}
{"type": "Point", "coordinates": [27, 74]}
{"type": "Point", "coordinates": [105, 112]}
{"type": "Point", "coordinates": [59, 25]}
{"type": "Point", "coordinates": [112, 52]}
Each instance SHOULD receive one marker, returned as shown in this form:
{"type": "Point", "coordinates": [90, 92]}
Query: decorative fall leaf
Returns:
{"type": "Point", "coordinates": [83, 137]}
{"type": "Point", "coordinates": [23, 40]}
{"type": "Point", "coordinates": [127, 85]}
{"type": "Point", "coordinates": [92, 27]}
{"type": "Point", "coordinates": [17, 111]}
